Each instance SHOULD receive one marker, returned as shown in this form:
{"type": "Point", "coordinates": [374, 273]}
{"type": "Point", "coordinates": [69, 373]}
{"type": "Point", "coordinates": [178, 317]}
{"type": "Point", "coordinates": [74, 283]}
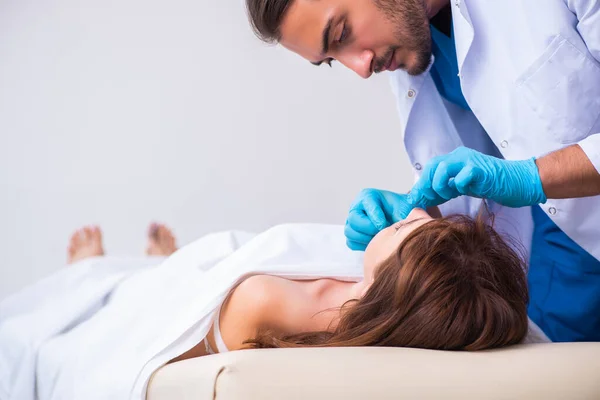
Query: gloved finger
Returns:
{"type": "Point", "coordinates": [397, 211]}
{"type": "Point", "coordinates": [442, 179]}
{"type": "Point", "coordinates": [373, 207]}
{"type": "Point", "coordinates": [422, 194]}
{"type": "Point", "coordinates": [461, 153]}
{"type": "Point", "coordinates": [355, 246]}
{"type": "Point", "coordinates": [359, 221]}
{"type": "Point", "coordinates": [432, 164]}
{"type": "Point", "coordinates": [465, 178]}
{"type": "Point", "coordinates": [452, 185]}
{"type": "Point", "coordinates": [355, 236]}
{"type": "Point", "coordinates": [400, 213]}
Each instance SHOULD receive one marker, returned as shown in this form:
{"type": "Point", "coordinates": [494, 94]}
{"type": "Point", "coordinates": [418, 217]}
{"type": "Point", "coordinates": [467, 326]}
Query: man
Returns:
{"type": "Point", "coordinates": [497, 100]}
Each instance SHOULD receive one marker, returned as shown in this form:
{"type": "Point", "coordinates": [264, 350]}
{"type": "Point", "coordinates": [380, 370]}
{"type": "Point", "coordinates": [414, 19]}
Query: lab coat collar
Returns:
{"type": "Point", "coordinates": [463, 30]}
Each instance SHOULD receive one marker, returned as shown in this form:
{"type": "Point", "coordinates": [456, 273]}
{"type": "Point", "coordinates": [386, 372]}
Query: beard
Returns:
{"type": "Point", "coordinates": [411, 29]}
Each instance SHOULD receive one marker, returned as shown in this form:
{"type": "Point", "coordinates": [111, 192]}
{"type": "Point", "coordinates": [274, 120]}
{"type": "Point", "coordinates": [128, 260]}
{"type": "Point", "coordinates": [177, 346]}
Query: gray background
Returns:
{"type": "Point", "coordinates": [123, 112]}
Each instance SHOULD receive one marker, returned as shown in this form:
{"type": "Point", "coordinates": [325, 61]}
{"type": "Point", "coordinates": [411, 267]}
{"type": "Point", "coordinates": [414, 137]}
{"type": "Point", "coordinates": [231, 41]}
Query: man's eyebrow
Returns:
{"type": "Point", "coordinates": [325, 39]}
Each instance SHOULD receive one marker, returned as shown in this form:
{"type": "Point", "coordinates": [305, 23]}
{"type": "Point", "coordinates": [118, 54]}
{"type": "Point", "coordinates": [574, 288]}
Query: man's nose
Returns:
{"type": "Point", "coordinates": [359, 62]}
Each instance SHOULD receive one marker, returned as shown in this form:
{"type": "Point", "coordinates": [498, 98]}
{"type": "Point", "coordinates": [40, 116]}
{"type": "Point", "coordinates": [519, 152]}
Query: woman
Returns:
{"type": "Point", "coordinates": [449, 283]}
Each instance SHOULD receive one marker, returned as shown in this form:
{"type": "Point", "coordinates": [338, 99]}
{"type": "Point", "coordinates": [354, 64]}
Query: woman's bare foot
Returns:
{"type": "Point", "coordinates": [161, 241]}
{"type": "Point", "coordinates": [85, 242]}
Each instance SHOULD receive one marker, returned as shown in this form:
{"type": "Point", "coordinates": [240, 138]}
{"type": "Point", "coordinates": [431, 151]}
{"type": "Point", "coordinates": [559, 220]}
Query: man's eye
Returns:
{"type": "Point", "coordinates": [343, 35]}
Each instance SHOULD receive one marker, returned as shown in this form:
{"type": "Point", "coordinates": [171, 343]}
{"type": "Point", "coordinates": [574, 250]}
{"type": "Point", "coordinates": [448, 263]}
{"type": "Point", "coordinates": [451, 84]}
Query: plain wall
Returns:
{"type": "Point", "coordinates": [124, 112]}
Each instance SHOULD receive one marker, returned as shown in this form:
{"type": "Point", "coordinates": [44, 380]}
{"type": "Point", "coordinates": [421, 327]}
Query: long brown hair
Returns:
{"type": "Point", "coordinates": [453, 284]}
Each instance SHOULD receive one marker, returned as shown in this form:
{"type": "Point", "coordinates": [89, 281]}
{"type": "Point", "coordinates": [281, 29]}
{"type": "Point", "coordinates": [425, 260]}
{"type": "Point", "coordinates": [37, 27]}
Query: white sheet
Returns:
{"type": "Point", "coordinates": [99, 329]}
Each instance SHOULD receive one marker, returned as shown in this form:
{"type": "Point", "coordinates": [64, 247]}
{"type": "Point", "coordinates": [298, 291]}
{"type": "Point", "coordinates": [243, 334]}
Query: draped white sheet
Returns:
{"type": "Point", "coordinates": [98, 329]}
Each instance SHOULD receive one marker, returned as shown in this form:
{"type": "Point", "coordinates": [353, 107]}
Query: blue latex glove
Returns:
{"type": "Point", "coordinates": [372, 211]}
{"type": "Point", "coordinates": [468, 172]}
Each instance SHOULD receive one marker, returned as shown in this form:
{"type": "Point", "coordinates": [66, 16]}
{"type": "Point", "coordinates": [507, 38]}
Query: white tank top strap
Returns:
{"type": "Point", "coordinates": [209, 349]}
{"type": "Point", "coordinates": [221, 347]}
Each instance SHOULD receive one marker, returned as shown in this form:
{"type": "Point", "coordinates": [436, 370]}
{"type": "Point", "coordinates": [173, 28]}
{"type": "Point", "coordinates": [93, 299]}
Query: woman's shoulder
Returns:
{"type": "Point", "coordinates": [260, 282]}
{"type": "Point", "coordinates": [260, 301]}
{"type": "Point", "coordinates": [261, 291]}
{"type": "Point", "coordinates": [270, 299]}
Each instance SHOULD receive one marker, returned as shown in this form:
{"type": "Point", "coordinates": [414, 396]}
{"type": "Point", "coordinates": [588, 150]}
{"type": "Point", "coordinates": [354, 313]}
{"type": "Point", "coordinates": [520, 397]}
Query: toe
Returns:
{"type": "Point", "coordinates": [94, 232]}
{"type": "Point", "coordinates": [169, 241]}
{"type": "Point", "coordinates": [74, 239]}
{"type": "Point", "coordinates": [97, 235]}
{"type": "Point", "coordinates": [80, 237]}
{"type": "Point", "coordinates": [87, 234]}
{"type": "Point", "coordinates": [153, 231]}
{"type": "Point", "coordinates": [162, 233]}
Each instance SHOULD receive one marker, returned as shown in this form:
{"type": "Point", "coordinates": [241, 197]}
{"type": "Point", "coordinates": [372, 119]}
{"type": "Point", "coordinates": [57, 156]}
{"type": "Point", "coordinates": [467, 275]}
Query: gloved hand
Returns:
{"type": "Point", "coordinates": [372, 211]}
{"type": "Point", "coordinates": [468, 172]}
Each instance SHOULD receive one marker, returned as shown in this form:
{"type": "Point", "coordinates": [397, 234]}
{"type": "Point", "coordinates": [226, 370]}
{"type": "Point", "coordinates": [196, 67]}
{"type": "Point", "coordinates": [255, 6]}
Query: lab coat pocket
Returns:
{"type": "Point", "coordinates": [563, 89]}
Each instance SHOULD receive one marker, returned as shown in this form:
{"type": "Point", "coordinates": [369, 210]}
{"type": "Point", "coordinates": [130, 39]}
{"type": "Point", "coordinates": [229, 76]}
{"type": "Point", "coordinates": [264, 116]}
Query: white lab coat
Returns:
{"type": "Point", "coordinates": [530, 73]}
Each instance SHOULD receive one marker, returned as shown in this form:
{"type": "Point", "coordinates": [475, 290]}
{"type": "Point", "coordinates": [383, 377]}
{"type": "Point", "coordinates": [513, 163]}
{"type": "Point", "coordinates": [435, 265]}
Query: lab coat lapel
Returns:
{"type": "Point", "coordinates": [463, 31]}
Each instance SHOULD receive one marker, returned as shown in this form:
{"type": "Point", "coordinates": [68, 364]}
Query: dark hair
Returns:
{"type": "Point", "coordinates": [266, 17]}
{"type": "Point", "coordinates": [453, 284]}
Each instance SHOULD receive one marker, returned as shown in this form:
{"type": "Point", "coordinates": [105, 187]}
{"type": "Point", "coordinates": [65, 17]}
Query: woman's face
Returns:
{"type": "Point", "coordinates": [388, 240]}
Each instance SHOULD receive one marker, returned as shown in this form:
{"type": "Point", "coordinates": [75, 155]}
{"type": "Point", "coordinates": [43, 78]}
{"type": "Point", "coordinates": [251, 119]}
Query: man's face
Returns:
{"type": "Point", "coordinates": [364, 35]}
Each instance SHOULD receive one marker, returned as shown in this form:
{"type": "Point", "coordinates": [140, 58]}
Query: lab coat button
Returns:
{"type": "Point", "coordinates": [552, 210]}
{"type": "Point", "coordinates": [418, 166]}
{"type": "Point", "coordinates": [504, 144]}
{"type": "Point", "coordinates": [411, 93]}
{"type": "Point", "coordinates": [457, 3]}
